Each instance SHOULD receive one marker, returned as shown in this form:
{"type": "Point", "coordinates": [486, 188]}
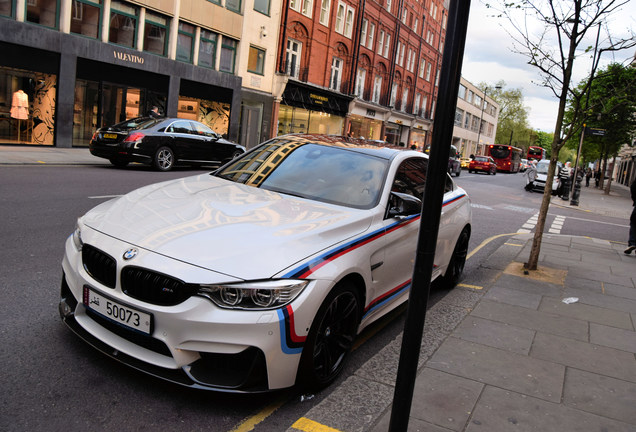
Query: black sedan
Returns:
{"type": "Point", "coordinates": [162, 143]}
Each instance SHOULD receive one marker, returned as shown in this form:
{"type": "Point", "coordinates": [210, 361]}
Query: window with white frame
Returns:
{"type": "Point", "coordinates": [361, 77]}
{"type": "Point", "coordinates": [405, 98]}
{"type": "Point", "coordinates": [377, 88]}
{"type": "Point", "coordinates": [295, 5]}
{"type": "Point", "coordinates": [394, 90]}
{"type": "Point", "coordinates": [348, 30]}
{"type": "Point", "coordinates": [424, 104]}
{"type": "Point", "coordinates": [422, 66]}
{"type": "Point", "coordinates": [371, 34]}
{"type": "Point", "coordinates": [388, 5]}
{"type": "Point", "coordinates": [437, 78]}
{"type": "Point", "coordinates": [336, 74]}
{"type": "Point", "coordinates": [397, 57]}
{"type": "Point", "coordinates": [381, 42]}
{"type": "Point", "coordinates": [292, 58]}
{"type": "Point", "coordinates": [308, 6]}
{"type": "Point", "coordinates": [363, 32]}
{"type": "Point", "coordinates": [415, 25]}
{"type": "Point", "coordinates": [410, 64]}
{"type": "Point", "coordinates": [404, 15]}
{"type": "Point", "coordinates": [340, 17]}
{"type": "Point", "coordinates": [428, 72]}
{"type": "Point", "coordinates": [402, 51]}
{"type": "Point", "coordinates": [461, 93]}
{"type": "Point", "coordinates": [387, 40]}
{"type": "Point", "coordinates": [325, 8]}
{"type": "Point", "coordinates": [416, 104]}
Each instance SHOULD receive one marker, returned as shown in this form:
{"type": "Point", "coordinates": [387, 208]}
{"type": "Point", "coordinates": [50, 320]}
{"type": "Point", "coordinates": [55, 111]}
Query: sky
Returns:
{"type": "Point", "coordinates": [488, 58]}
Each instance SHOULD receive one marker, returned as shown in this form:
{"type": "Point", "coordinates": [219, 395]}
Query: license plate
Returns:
{"type": "Point", "coordinates": [118, 312]}
{"type": "Point", "coordinates": [110, 136]}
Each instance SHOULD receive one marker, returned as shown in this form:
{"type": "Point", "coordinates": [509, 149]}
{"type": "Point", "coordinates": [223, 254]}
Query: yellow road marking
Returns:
{"type": "Point", "coordinates": [250, 423]}
{"type": "Point", "coordinates": [470, 286]}
{"type": "Point", "coordinates": [602, 287]}
{"type": "Point", "coordinates": [41, 162]}
{"type": "Point", "coordinates": [306, 425]}
{"type": "Point", "coordinates": [513, 244]}
{"type": "Point", "coordinates": [485, 242]}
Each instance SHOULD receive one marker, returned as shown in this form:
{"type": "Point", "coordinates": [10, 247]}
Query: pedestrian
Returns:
{"type": "Point", "coordinates": [588, 176]}
{"type": "Point", "coordinates": [564, 178]}
{"type": "Point", "coordinates": [154, 112]}
{"type": "Point", "coordinates": [632, 221]}
{"type": "Point", "coordinates": [597, 176]}
{"type": "Point", "coordinates": [531, 175]}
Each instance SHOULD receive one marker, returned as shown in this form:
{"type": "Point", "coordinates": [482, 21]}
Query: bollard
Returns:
{"type": "Point", "coordinates": [577, 191]}
{"type": "Point", "coordinates": [565, 193]}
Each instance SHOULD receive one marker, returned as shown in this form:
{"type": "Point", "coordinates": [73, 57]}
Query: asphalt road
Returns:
{"type": "Point", "coordinates": [53, 381]}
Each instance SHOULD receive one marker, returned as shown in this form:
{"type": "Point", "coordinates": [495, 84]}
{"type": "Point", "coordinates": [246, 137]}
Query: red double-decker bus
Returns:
{"type": "Point", "coordinates": [537, 153]}
{"type": "Point", "coordinates": [507, 158]}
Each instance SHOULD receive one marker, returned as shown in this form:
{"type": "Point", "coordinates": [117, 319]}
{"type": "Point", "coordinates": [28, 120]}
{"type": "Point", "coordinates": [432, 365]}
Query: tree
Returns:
{"type": "Point", "coordinates": [553, 50]}
{"type": "Point", "coordinates": [513, 115]}
{"type": "Point", "coordinates": [610, 104]}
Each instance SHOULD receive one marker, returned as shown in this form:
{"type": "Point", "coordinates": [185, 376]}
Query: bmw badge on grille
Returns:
{"type": "Point", "coordinates": [130, 254]}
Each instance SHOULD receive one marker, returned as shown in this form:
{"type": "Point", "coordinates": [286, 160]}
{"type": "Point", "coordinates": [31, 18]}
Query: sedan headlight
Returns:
{"type": "Point", "coordinates": [268, 294]}
{"type": "Point", "coordinates": [77, 237]}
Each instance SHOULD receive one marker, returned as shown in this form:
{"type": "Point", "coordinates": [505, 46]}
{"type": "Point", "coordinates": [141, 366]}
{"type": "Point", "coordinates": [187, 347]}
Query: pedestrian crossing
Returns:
{"type": "Point", "coordinates": [530, 224]}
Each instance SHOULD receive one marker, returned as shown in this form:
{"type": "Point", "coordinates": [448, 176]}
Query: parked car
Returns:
{"type": "Point", "coordinates": [259, 275]}
{"type": "Point", "coordinates": [542, 176]}
{"type": "Point", "coordinates": [464, 162]}
{"type": "Point", "coordinates": [483, 163]}
{"type": "Point", "coordinates": [454, 166]}
{"type": "Point", "coordinates": [524, 165]}
{"type": "Point", "coordinates": [162, 143]}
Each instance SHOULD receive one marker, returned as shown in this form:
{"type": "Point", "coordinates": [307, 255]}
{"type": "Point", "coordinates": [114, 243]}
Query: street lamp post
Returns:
{"type": "Point", "coordinates": [481, 116]}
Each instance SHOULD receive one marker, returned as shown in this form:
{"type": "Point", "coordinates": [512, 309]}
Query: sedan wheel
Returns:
{"type": "Point", "coordinates": [457, 261]}
{"type": "Point", "coordinates": [164, 159]}
{"type": "Point", "coordinates": [330, 338]}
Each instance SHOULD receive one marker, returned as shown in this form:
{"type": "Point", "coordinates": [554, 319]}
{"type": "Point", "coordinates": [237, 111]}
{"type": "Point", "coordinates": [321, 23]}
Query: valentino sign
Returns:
{"type": "Point", "coordinates": [131, 58]}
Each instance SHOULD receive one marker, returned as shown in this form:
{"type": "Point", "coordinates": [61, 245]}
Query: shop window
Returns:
{"type": "Point", "coordinates": [155, 34]}
{"type": "Point", "coordinates": [85, 18]}
{"type": "Point", "coordinates": [256, 61]}
{"type": "Point", "coordinates": [207, 49]}
{"type": "Point", "coordinates": [123, 24]}
{"type": "Point", "coordinates": [43, 12]}
{"type": "Point", "coordinates": [213, 114]}
{"type": "Point", "coordinates": [185, 42]}
{"type": "Point", "coordinates": [6, 8]}
{"type": "Point", "coordinates": [228, 55]}
{"type": "Point", "coordinates": [233, 5]}
{"type": "Point", "coordinates": [262, 6]}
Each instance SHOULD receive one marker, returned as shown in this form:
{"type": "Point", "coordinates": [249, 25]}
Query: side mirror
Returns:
{"type": "Point", "coordinates": [401, 205]}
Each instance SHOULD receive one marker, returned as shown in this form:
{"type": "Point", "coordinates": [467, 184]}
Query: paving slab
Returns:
{"type": "Point", "coordinates": [533, 320]}
{"type": "Point", "coordinates": [499, 410]}
{"type": "Point", "coordinates": [585, 312]}
{"type": "Point", "coordinates": [620, 291]}
{"type": "Point", "coordinates": [529, 285]}
{"type": "Point", "coordinates": [603, 276]}
{"type": "Point", "coordinates": [598, 394]}
{"type": "Point", "coordinates": [443, 399]}
{"type": "Point", "coordinates": [612, 337]}
{"type": "Point", "coordinates": [500, 368]}
{"type": "Point", "coordinates": [415, 425]}
{"type": "Point", "coordinates": [583, 355]}
{"type": "Point", "coordinates": [514, 297]}
{"type": "Point", "coordinates": [584, 284]}
{"type": "Point", "coordinates": [495, 334]}
{"type": "Point", "coordinates": [602, 300]}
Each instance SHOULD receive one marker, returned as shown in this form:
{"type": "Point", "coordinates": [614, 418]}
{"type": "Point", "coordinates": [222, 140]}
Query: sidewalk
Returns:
{"type": "Point", "coordinates": [40, 155]}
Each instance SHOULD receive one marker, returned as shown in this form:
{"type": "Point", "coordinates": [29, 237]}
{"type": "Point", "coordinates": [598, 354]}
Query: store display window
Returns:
{"type": "Point", "coordinates": [299, 120]}
{"type": "Point", "coordinates": [123, 24]}
{"type": "Point", "coordinates": [86, 18]}
{"type": "Point", "coordinates": [214, 114]}
{"type": "Point", "coordinates": [27, 107]}
{"type": "Point", "coordinates": [43, 12]}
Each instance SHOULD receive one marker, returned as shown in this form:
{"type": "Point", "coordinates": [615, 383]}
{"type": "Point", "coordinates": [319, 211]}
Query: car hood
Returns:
{"type": "Point", "coordinates": [231, 228]}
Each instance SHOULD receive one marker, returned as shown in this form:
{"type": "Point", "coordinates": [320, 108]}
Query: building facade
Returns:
{"type": "Point", "coordinates": [476, 119]}
{"type": "Point", "coordinates": [83, 64]}
{"type": "Point", "coordinates": [365, 69]}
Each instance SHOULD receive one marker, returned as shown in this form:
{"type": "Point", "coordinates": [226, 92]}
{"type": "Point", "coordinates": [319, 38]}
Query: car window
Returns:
{"type": "Point", "coordinates": [182, 126]}
{"type": "Point", "coordinates": [201, 129]}
{"type": "Point", "coordinates": [309, 170]}
{"type": "Point", "coordinates": [410, 177]}
{"type": "Point", "coordinates": [481, 159]}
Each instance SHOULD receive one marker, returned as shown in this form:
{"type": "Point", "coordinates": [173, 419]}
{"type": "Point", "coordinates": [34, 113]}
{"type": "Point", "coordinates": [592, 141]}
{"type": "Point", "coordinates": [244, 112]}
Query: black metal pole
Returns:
{"type": "Point", "coordinates": [431, 213]}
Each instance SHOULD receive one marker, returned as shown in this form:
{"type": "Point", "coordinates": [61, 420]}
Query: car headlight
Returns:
{"type": "Point", "coordinates": [268, 294]}
{"type": "Point", "coordinates": [77, 237]}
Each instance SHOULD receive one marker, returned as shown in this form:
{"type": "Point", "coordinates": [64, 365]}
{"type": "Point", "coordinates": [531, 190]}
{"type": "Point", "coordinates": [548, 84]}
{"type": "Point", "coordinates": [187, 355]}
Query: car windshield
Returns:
{"type": "Point", "coordinates": [332, 174]}
{"type": "Point", "coordinates": [542, 168]}
{"type": "Point", "coordinates": [481, 159]}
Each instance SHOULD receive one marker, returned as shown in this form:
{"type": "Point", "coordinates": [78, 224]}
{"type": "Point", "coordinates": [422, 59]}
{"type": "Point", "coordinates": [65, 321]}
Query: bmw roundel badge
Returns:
{"type": "Point", "coordinates": [130, 254]}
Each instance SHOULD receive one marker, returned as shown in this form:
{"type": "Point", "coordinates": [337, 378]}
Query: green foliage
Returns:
{"type": "Point", "coordinates": [512, 125]}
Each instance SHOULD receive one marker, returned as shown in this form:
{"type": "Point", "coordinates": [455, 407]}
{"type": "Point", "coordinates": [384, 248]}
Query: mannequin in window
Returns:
{"type": "Point", "coordinates": [20, 108]}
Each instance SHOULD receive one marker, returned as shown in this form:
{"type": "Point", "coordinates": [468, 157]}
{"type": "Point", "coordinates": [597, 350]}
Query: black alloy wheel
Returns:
{"type": "Point", "coordinates": [330, 339]}
{"type": "Point", "coordinates": [164, 159]}
{"type": "Point", "coordinates": [457, 261]}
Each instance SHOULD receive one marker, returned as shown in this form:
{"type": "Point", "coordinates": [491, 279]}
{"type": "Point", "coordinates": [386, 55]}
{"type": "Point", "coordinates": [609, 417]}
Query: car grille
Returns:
{"type": "Point", "coordinates": [155, 288]}
{"type": "Point", "coordinates": [101, 266]}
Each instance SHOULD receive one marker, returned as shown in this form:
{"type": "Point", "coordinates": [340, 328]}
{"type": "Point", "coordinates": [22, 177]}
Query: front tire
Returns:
{"type": "Point", "coordinates": [331, 337]}
{"type": "Point", "coordinates": [457, 261]}
{"type": "Point", "coordinates": [164, 159]}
